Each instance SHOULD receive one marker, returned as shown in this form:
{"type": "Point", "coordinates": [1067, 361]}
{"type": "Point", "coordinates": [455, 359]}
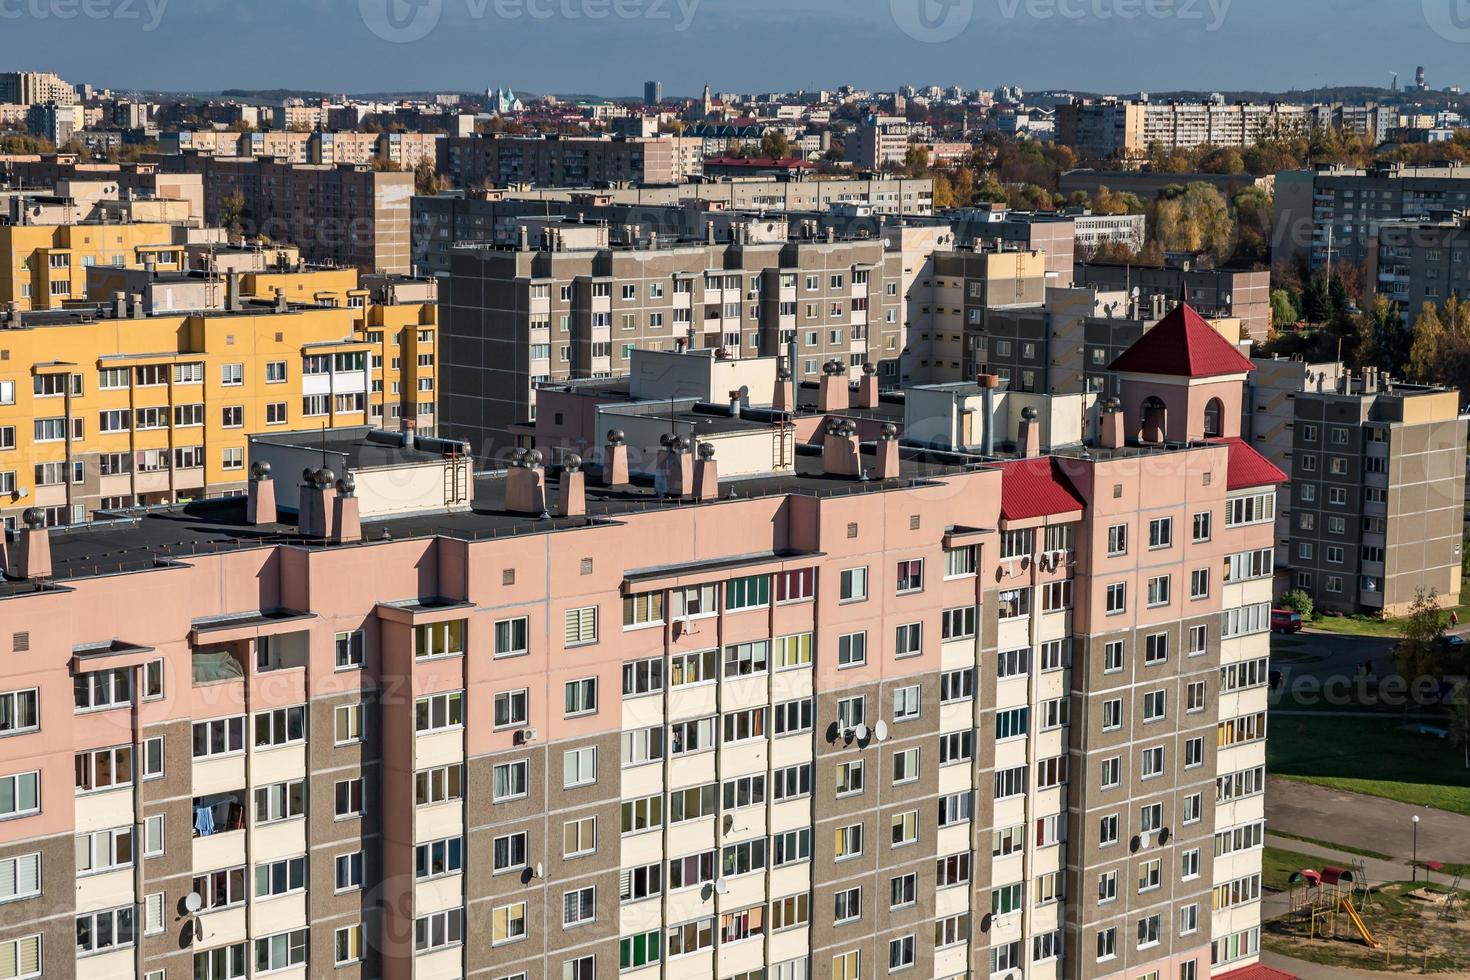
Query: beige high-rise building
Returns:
{"type": "Point", "coordinates": [35, 88]}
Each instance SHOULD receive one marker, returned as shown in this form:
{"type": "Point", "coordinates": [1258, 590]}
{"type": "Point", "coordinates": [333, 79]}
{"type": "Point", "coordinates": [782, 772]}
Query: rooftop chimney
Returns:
{"type": "Point", "coordinates": [615, 459]}
{"type": "Point", "coordinates": [316, 513]}
{"type": "Point", "coordinates": [1110, 425]}
{"type": "Point", "coordinates": [675, 476]}
{"type": "Point", "coordinates": [571, 494]}
{"type": "Point", "coordinates": [281, 305]}
{"type": "Point", "coordinates": [260, 499]}
{"type": "Point", "coordinates": [346, 512]}
{"type": "Point", "coordinates": [840, 450]}
{"type": "Point", "coordinates": [706, 474]}
{"type": "Point", "coordinates": [1029, 440]}
{"type": "Point", "coordinates": [525, 485]}
{"type": "Point", "coordinates": [988, 384]}
{"type": "Point", "coordinates": [868, 387]}
{"type": "Point", "coordinates": [33, 554]}
{"type": "Point", "coordinates": [232, 291]}
{"type": "Point", "coordinates": [886, 467]}
{"type": "Point", "coordinates": [735, 403]}
{"type": "Point", "coordinates": [832, 395]}
{"type": "Point", "coordinates": [784, 399]}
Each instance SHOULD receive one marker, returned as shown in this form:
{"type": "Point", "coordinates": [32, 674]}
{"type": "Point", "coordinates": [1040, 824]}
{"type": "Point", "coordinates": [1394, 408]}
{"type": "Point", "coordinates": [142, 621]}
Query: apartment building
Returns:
{"type": "Point", "coordinates": [950, 303]}
{"type": "Point", "coordinates": [879, 142]}
{"type": "Point", "coordinates": [568, 302]}
{"type": "Point", "coordinates": [1333, 213]}
{"type": "Point", "coordinates": [491, 160]}
{"type": "Point", "coordinates": [958, 719]}
{"type": "Point", "coordinates": [48, 243]}
{"type": "Point", "coordinates": [128, 181]}
{"type": "Point", "coordinates": [347, 214]}
{"type": "Point", "coordinates": [35, 88]}
{"type": "Point", "coordinates": [1242, 294]}
{"type": "Point", "coordinates": [404, 150]}
{"type": "Point", "coordinates": [149, 398]}
{"type": "Point", "coordinates": [1415, 261]}
{"type": "Point", "coordinates": [442, 221]}
{"type": "Point", "coordinates": [1377, 494]}
{"type": "Point", "coordinates": [1123, 129]}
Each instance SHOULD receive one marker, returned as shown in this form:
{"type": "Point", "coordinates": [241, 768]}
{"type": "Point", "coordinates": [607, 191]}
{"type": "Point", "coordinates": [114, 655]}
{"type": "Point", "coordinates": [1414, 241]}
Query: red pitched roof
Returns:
{"type": "Point", "coordinates": [1249, 468]}
{"type": "Point", "coordinates": [1257, 971]}
{"type": "Point", "coordinates": [1031, 488]}
{"type": "Point", "coordinates": [1183, 345]}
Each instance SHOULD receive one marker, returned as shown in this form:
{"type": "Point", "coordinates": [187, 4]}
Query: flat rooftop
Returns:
{"type": "Point", "coordinates": [360, 447]}
{"type": "Point", "coordinates": [149, 538]}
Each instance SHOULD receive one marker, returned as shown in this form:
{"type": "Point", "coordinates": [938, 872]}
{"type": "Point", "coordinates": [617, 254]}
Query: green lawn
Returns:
{"type": "Point", "coordinates": [1372, 756]}
{"type": "Point", "coordinates": [1344, 848]}
{"type": "Point", "coordinates": [1278, 865]}
{"type": "Point", "coordinates": [1357, 626]}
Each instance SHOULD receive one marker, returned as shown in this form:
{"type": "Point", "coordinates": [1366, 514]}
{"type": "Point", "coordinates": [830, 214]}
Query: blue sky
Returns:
{"type": "Point", "coordinates": [611, 46]}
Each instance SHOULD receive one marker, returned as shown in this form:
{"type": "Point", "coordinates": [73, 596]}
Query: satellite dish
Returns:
{"type": "Point", "coordinates": [861, 731]}
{"type": "Point", "coordinates": [540, 870]}
{"type": "Point", "coordinates": [1163, 836]}
{"type": "Point", "coordinates": [729, 822]}
{"type": "Point", "coordinates": [193, 902]}
{"type": "Point", "coordinates": [985, 921]}
{"type": "Point", "coordinates": [1136, 292]}
{"type": "Point", "coordinates": [881, 731]}
{"type": "Point", "coordinates": [721, 886]}
{"type": "Point", "coordinates": [833, 731]}
{"type": "Point", "coordinates": [1135, 844]}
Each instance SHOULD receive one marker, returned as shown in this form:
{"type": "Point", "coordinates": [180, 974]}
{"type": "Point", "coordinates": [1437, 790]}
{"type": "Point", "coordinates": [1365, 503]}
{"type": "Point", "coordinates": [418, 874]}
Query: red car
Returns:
{"type": "Point", "coordinates": [1285, 621]}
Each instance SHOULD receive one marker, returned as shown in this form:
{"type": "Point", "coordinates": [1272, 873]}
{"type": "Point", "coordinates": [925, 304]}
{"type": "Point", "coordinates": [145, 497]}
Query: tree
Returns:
{"type": "Point", "coordinates": [775, 145]}
{"type": "Point", "coordinates": [1222, 160]}
{"type": "Point", "coordinates": [1253, 218]}
{"type": "Point", "coordinates": [916, 161]}
{"type": "Point", "coordinates": [1421, 652]}
{"type": "Point", "coordinates": [990, 192]}
{"type": "Point", "coordinates": [1316, 304]}
{"type": "Point", "coordinates": [231, 211]}
{"type": "Point", "coordinates": [964, 187]}
{"type": "Point", "coordinates": [1428, 346]}
{"type": "Point", "coordinates": [1195, 220]}
{"type": "Point", "coordinates": [1298, 601]}
{"type": "Point", "coordinates": [426, 179]}
{"type": "Point", "coordinates": [1283, 312]}
{"type": "Point", "coordinates": [1382, 340]}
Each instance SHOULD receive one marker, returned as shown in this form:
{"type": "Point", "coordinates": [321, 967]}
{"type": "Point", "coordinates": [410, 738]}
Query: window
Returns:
{"type": "Point", "coordinates": [957, 685]}
{"type": "Point", "coordinates": [900, 953]}
{"type": "Point", "coordinates": [280, 877]}
{"type": "Point", "coordinates": [221, 963]}
{"type": "Point", "coordinates": [642, 677]}
{"type": "Point", "coordinates": [435, 640]}
{"type": "Point", "coordinates": [1253, 509]}
{"type": "Point", "coordinates": [1158, 591]}
{"type": "Point", "coordinates": [507, 853]}
{"type": "Point", "coordinates": [580, 626]}
{"type": "Point", "coordinates": [280, 726]}
{"type": "Point", "coordinates": [1161, 532]}
{"type": "Point", "coordinates": [1110, 773]}
{"type": "Point", "coordinates": [849, 778]}
{"type": "Point", "coordinates": [750, 592]}
{"type": "Point", "coordinates": [348, 873]}
{"type": "Point", "coordinates": [746, 659]}
{"type": "Point", "coordinates": [1107, 943]}
{"type": "Point", "coordinates": [437, 931]}
{"type": "Point", "coordinates": [99, 769]}
{"type": "Point", "coordinates": [796, 585]}
{"type": "Point", "coordinates": [695, 601]}
{"type": "Point", "coordinates": [1013, 604]}
{"type": "Point", "coordinates": [1013, 663]}
{"type": "Point", "coordinates": [1156, 649]}
{"type": "Point", "coordinates": [579, 767]}
{"type": "Point", "coordinates": [347, 724]}
{"type": "Point", "coordinates": [852, 649]}
{"type": "Point", "coordinates": [103, 850]}
{"type": "Point", "coordinates": [347, 943]}
{"type": "Point", "coordinates": [349, 649]}
{"type": "Point", "coordinates": [102, 689]}
{"type": "Point", "coordinates": [848, 842]}
{"type": "Point", "coordinates": [348, 798]}
{"type": "Point", "coordinates": [958, 624]}
{"type": "Point", "coordinates": [1201, 527]}
{"type": "Point", "coordinates": [953, 869]}
{"type": "Point", "coordinates": [793, 651]}
{"type": "Point", "coordinates": [581, 697]}
{"type": "Point", "coordinates": [1108, 830]}
{"type": "Point", "coordinates": [910, 576]}
{"type": "Point", "coordinates": [1153, 762]}
{"type": "Point", "coordinates": [1117, 598]}
{"type": "Point", "coordinates": [852, 585]}
{"type": "Point", "coordinates": [579, 906]}
{"type": "Point", "coordinates": [109, 929]}
{"type": "Point", "coordinates": [908, 640]}
{"type": "Point", "coordinates": [905, 828]}
{"type": "Point", "coordinates": [1155, 706]}
{"type": "Point", "coordinates": [1113, 656]}
{"type": "Point", "coordinates": [1199, 583]}
{"type": "Point", "coordinates": [20, 877]}
{"type": "Point", "coordinates": [509, 781]}
{"type": "Point", "coordinates": [439, 784]}
{"type": "Point", "coordinates": [438, 712]}
{"type": "Point", "coordinates": [1117, 540]}
{"type": "Point", "coordinates": [20, 711]}
{"type": "Point", "coordinates": [643, 609]}
{"type": "Point", "coordinates": [959, 562]}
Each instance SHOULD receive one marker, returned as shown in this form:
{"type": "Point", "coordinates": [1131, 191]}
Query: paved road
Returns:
{"type": "Point", "coordinates": [1367, 822]}
{"type": "Point", "coordinates": [1311, 971]}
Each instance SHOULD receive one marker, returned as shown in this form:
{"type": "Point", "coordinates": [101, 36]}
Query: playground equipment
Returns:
{"type": "Point", "coordinates": [1319, 897]}
{"type": "Point", "coordinates": [1447, 910]}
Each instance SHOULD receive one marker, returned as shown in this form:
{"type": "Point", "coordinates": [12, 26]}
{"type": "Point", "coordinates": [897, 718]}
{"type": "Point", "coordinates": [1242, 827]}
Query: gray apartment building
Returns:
{"type": "Point", "coordinates": [347, 215]}
{"type": "Point", "coordinates": [1244, 294]}
{"type": "Point", "coordinates": [1332, 213]}
{"type": "Point", "coordinates": [566, 301]}
{"type": "Point", "coordinates": [569, 161]}
{"type": "Point", "coordinates": [1377, 494]}
{"type": "Point", "coordinates": [1414, 261]}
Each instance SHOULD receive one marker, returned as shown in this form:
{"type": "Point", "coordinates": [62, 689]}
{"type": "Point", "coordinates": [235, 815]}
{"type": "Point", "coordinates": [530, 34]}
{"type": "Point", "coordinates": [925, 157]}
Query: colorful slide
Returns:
{"type": "Point", "coordinates": [1347, 907]}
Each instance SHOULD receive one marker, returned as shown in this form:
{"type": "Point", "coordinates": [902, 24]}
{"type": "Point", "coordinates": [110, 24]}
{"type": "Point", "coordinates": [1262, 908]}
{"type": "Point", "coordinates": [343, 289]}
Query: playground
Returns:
{"type": "Point", "coordinates": [1338, 916]}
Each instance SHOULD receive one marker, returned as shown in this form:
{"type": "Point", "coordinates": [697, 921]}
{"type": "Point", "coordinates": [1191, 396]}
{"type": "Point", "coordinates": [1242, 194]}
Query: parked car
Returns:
{"type": "Point", "coordinates": [1285, 621]}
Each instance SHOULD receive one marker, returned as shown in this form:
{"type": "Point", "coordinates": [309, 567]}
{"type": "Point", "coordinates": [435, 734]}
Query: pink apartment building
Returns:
{"type": "Point", "coordinates": [883, 711]}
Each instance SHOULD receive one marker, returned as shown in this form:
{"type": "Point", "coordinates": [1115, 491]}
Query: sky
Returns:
{"type": "Point", "coordinates": [609, 47]}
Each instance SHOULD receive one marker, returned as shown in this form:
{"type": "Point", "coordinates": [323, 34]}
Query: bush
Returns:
{"type": "Point", "coordinates": [1298, 601]}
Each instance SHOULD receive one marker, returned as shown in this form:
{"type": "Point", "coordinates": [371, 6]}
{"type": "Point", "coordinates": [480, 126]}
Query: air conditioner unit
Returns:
{"type": "Point", "coordinates": [528, 735]}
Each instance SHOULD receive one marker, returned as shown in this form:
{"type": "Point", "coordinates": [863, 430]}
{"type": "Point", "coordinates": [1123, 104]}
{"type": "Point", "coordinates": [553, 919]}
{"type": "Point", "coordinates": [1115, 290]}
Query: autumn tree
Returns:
{"type": "Point", "coordinates": [1192, 219]}
{"type": "Point", "coordinates": [775, 145]}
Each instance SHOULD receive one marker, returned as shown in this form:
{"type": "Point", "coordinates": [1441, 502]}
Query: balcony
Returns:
{"type": "Point", "coordinates": [218, 664]}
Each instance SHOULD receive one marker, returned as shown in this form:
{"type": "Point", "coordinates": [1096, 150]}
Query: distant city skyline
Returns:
{"type": "Point", "coordinates": [611, 47]}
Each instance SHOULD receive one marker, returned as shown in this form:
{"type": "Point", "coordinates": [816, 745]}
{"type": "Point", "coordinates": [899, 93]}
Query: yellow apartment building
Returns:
{"type": "Point", "coordinates": [42, 267]}
{"type": "Point", "coordinates": [112, 407]}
